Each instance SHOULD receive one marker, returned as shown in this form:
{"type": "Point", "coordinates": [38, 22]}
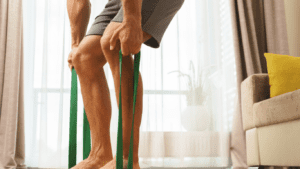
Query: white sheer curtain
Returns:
{"type": "Point", "coordinates": [200, 32]}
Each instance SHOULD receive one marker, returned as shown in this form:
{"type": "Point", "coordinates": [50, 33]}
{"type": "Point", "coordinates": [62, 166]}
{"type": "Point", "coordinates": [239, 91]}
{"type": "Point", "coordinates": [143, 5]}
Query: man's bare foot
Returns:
{"type": "Point", "coordinates": [90, 163]}
{"type": "Point", "coordinates": [112, 164]}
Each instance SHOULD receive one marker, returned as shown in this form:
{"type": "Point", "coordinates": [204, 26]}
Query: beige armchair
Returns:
{"type": "Point", "coordinates": [272, 125]}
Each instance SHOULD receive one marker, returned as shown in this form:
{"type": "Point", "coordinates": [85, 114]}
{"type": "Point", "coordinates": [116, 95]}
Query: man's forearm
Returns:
{"type": "Point", "coordinates": [132, 9]}
{"type": "Point", "coordinates": [79, 15]}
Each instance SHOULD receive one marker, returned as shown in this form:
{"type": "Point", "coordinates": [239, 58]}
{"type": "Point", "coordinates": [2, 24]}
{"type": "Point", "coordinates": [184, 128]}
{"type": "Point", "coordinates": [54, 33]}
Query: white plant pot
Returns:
{"type": "Point", "coordinates": [195, 118]}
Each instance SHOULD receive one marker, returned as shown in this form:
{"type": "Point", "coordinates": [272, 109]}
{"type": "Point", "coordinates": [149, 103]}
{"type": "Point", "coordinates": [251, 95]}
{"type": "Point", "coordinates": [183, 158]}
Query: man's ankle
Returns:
{"type": "Point", "coordinates": [104, 157]}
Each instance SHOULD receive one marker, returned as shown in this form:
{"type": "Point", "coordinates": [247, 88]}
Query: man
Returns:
{"type": "Point", "coordinates": [125, 25]}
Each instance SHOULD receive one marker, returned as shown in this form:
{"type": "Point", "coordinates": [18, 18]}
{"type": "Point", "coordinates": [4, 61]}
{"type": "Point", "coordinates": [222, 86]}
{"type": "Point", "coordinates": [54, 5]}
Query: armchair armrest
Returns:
{"type": "Point", "coordinates": [254, 89]}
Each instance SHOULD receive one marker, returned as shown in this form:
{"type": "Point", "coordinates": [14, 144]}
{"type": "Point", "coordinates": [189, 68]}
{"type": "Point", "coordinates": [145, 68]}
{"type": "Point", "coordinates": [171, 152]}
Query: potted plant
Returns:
{"type": "Point", "coordinates": [196, 116]}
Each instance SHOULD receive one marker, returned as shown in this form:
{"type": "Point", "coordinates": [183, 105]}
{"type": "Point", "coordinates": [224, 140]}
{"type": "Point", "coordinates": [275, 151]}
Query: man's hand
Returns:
{"type": "Point", "coordinates": [71, 56]}
{"type": "Point", "coordinates": [130, 34]}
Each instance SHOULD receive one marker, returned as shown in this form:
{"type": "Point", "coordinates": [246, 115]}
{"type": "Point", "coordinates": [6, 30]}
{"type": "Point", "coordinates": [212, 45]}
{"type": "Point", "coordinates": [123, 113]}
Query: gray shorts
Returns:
{"type": "Point", "coordinates": [156, 16]}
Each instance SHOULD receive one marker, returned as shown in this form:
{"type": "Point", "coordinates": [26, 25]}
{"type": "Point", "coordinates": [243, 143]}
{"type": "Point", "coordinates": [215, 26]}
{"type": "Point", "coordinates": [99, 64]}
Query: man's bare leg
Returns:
{"type": "Point", "coordinates": [88, 63]}
{"type": "Point", "coordinates": [112, 56]}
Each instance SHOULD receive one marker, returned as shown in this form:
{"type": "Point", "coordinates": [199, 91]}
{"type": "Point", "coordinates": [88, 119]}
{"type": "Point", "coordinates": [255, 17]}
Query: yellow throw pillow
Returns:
{"type": "Point", "coordinates": [284, 73]}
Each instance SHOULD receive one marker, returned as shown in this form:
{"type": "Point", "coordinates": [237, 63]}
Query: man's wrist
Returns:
{"type": "Point", "coordinates": [132, 9]}
{"type": "Point", "coordinates": [74, 46]}
{"type": "Point", "coordinates": [132, 18]}
{"type": "Point", "coordinates": [75, 41]}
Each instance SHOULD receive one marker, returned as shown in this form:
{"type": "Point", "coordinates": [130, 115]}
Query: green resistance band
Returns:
{"type": "Point", "coordinates": [86, 128]}
{"type": "Point", "coordinates": [73, 126]}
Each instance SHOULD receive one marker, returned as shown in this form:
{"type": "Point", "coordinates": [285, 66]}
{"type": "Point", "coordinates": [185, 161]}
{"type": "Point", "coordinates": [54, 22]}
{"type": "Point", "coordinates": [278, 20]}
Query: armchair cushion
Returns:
{"type": "Point", "coordinates": [284, 73]}
{"type": "Point", "coordinates": [280, 109]}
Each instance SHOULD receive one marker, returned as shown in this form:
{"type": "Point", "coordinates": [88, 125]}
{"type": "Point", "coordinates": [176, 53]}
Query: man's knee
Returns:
{"type": "Point", "coordinates": [105, 44]}
{"type": "Point", "coordinates": [110, 54]}
{"type": "Point", "coordinates": [83, 60]}
{"type": "Point", "coordinates": [78, 58]}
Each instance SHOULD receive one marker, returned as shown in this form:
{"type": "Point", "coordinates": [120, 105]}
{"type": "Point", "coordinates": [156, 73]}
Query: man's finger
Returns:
{"type": "Point", "coordinates": [113, 40]}
{"type": "Point", "coordinates": [124, 47]}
